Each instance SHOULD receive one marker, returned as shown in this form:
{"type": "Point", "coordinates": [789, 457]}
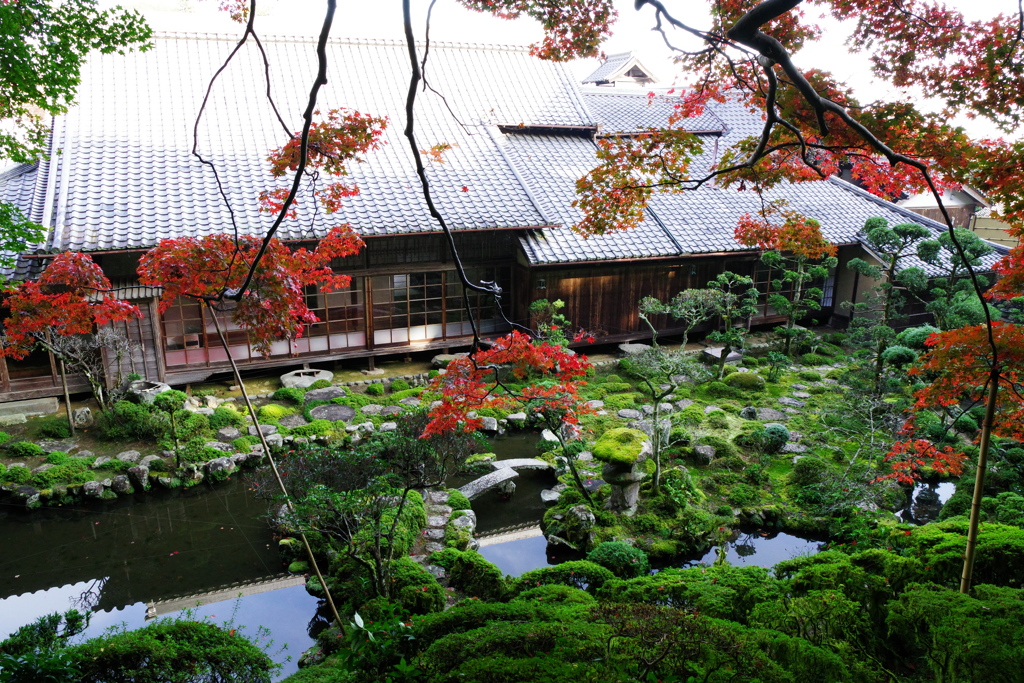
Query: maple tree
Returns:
{"type": "Point", "coordinates": [72, 297]}
{"type": "Point", "coordinates": [800, 253]}
{"type": "Point", "coordinates": [541, 378]}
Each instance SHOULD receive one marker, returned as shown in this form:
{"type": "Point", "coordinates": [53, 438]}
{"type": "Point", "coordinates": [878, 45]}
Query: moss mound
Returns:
{"type": "Point", "coordinates": [621, 446]}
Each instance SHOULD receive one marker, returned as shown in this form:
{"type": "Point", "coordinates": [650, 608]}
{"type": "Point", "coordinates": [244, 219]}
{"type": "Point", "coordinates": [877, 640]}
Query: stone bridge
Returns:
{"type": "Point", "coordinates": [478, 487]}
{"type": "Point", "coordinates": [520, 464]}
{"type": "Point", "coordinates": [229, 592]}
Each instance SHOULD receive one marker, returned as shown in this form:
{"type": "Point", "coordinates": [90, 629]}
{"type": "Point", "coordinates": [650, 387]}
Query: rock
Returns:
{"type": "Point", "coordinates": [121, 485]}
{"type": "Point", "coordinates": [410, 401]}
{"type": "Point", "coordinates": [228, 434]}
{"type": "Point", "coordinates": [265, 429]}
{"type": "Point", "coordinates": [585, 456]}
{"type": "Point", "coordinates": [801, 394]}
{"type": "Point", "coordinates": [549, 497]}
{"type": "Point", "coordinates": [715, 355]}
{"type": "Point", "coordinates": [204, 411]}
{"type": "Point", "coordinates": [629, 414]}
{"type": "Point", "coordinates": [710, 408]}
{"type": "Point", "coordinates": [220, 446]}
{"type": "Point", "coordinates": [41, 468]}
{"type": "Point", "coordinates": [303, 378]}
{"type": "Point", "coordinates": [433, 534]}
{"type": "Point", "coordinates": [517, 417]}
{"type": "Point", "coordinates": [291, 421]}
{"type": "Point", "coordinates": [749, 413]}
{"type": "Point", "coordinates": [169, 482]}
{"type": "Point", "coordinates": [389, 426]}
{"type": "Point", "coordinates": [139, 476]}
{"type": "Point", "coordinates": [433, 547]}
{"type": "Point", "coordinates": [489, 424]}
{"type": "Point", "coordinates": [465, 523]}
{"type": "Point", "coordinates": [766, 414]}
{"type": "Point", "coordinates": [632, 349]}
{"type": "Point", "coordinates": [662, 407]}
{"type": "Point", "coordinates": [333, 412]}
{"type": "Point", "coordinates": [791, 411]}
{"type": "Point", "coordinates": [149, 459]}
{"type": "Point", "coordinates": [548, 436]}
{"type": "Point", "coordinates": [791, 402]}
{"type": "Point", "coordinates": [325, 394]}
{"type": "Point", "coordinates": [801, 387]}
{"type": "Point", "coordinates": [794, 448]}
{"type": "Point", "coordinates": [593, 405]}
{"type": "Point", "coordinates": [372, 409]}
{"type": "Point", "coordinates": [684, 403]}
{"type": "Point", "coordinates": [213, 402]}
{"type": "Point", "coordinates": [28, 497]}
{"type": "Point", "coordinates": [374, 372]}
{"type": "Point", "coordinates": [435, 571]}
{"type": "Point", "coordinates": [226, 465]}
{"type": "Point", "coordinates": [437, 497]}
{"type": "Point", "coordinates": [391, 410]}
{"type": "Point", "coordinates": [275, 440]}
{"type": "Point", "coordinates": [519, 463]}
{"type": "Point", "coordinates": [147, 391]}
{"type": "Point", "coordinates": [442, 360]}
{"type": "Point", "coordinates": [704, 454]}
{"type": "Point", "coordinates": [82, 418]}
{"type": "Point", "coordinates": [92, 489]}
{"type": "Point", "coordinates": [83, 454]}
{"type": "Point", "coordinates": [129, 456]}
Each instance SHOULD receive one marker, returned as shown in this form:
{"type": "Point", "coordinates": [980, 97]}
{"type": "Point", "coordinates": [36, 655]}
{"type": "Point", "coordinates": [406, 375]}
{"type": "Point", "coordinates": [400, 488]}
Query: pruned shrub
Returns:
{"type": "Point", "coordinates": [399, 384]}
{"type": "Point", "coordinates": [898, 356]}
{"type": "Point", "coordinates": [808, 471]}
{"type": "Point", "coordinates": [314, 428]}
{"type": "Point", "coordinates": [809, 376]}
{"type": "Point", "coordinates": [273, 412]}
{"type": "Point", "coordinates": [751, 362]}
{"type": "Point", "coordinates": [578, 574]}
{"type": "Point", "coordinates": [813, 359]}
{"type": "Point", "coordinates": [226, 416]}
{"type": "Point", "coordinates": [24, 449]}
{"type": "Point", "coordinates": [721, 390]}
{"type": "Point", "coordinates": [470, 573]}
{"type": "Point", "coordinates": [127, 421]}
{"type": "Point", "coordinates": [625, 561]}
{"type": "Point", "coordinates": [18, 474]}
{"type": "Point", "coordinates": [692, 415]}
{"type": "Point", "coordinates": [293, 394]}
{"type": "Point", "coordinates": [915, 337]}
{"type": "Point", "coordinates": [747, 381]}
{"type": "Point", "coordinates": [375, 389]}
{"type": "Point", "coordinates": [55, 427]}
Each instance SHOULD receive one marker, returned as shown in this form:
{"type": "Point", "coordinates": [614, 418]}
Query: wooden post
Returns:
{"type": "Point", "coordinates": [67, 397]}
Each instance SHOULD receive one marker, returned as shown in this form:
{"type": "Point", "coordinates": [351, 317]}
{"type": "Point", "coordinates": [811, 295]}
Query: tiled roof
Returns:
{"type": "Point", "coordinates": [622, 114]}
{"type": "Point", "coordinates": [19, 186]}
{"type": "Point", "coordinates": [125, 179]}
{"type": "Point", "coordinates": [612, 65]}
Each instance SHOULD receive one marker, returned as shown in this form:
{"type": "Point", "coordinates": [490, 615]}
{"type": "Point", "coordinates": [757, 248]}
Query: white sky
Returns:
{"type": "Point", "coordinates": [452, 22]}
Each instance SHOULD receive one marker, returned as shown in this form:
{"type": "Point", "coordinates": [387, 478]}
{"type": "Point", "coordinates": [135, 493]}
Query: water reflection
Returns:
{"type": "Point", "coordinates": [759, 548]}
{"type": "Point", "coordinates": [925, 501]}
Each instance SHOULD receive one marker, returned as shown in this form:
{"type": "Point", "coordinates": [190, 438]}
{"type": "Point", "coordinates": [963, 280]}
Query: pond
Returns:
{"type": "Point", "coordinates": [759, 548]}
{"type": "Point", "coordinates": [925, 501]}
{"type": "Point", "coordinates": [116, 558]}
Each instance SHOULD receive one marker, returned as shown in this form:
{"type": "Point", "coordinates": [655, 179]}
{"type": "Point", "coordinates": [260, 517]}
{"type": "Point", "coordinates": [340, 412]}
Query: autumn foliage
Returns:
{"type": "Point", "coordinates": [71, 297]}
{"type": "Point", "coordinates": [796, 235]}
{"type": "Point", "coordinates": [550, 376]}
{"type": "Point", "coordinates": [907, 459]}
{"type": "Point", "coordinates": [274, 306]}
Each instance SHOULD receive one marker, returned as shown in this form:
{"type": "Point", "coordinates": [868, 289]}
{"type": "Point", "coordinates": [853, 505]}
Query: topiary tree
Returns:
{"type": "Point", "coordinates": [171, 402]}
{"type": "Point", "coordinates": [950, 295]}
{"type": "Point", "coordinates": [625, 561]}
{"type": "Point", "coordinates": [738, 301]}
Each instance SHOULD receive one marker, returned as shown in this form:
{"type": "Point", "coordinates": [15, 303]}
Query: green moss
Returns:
{"type": "Point", "coordinates": [619, 446]}
{"type": "Point", "coordinates": [24, 449]}
{"type": "Point", "coordinates": [813, 359]}
{"type": "Point", "coordinates": [293, 394]}
{"type": "Point", "coordinates": [692, 415]}
{"type": "Point", "coordinates": [399, 384]}
{"type": "Point", "coordinates": [809, 376]}
{"type": "Point", "coordinates": [375, 389]}
{"type": "Point", "coordinates": [457, 501]}
{"type": "Point", "coordinates": [717, 419]}
{"type": "Point", "coordinates": [273, 412]}
{"type": "Point", "coordinates": [319, 384]}
{"type": "Point", "coordinates": [747, 381]}
{"type": "Point", "coordinates": [298, 567]}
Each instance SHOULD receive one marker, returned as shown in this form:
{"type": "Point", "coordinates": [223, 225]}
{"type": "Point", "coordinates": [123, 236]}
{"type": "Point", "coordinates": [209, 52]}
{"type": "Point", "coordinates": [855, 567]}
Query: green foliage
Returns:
{"type": "Point", "coordinates": [457, 501]}
{"type": "Point", "coordinates": [226, 416]}
{"type": "Point", "coordinates": [767, 439]}
{"type": "Point", "coordinates": [748, 381]}
{"type": "Point", "coordinates": [294, 394]}
{"type": "Point", "coordinates": [416, 392]}
{"type": "Point", "coordinates": [777, 364]}
{"type": "Point", "coordinates": [813, 359]}
{"type": "Point", "coordinates": [898, 356]}
{"type": "Point", "coordinates": [723, 449]}
{"type": "Point", "coordinates": [375, 389]}
{"type": "Point", "coordinates": [4, 438]}
{"type": "Point", "coordinates": [126, 421]}
{"type": "Point", "coordinates": [271, 413]}
{"type": "Point", "coordinates": [24, 449]}
{"type": "Point", "coordinates": [915, 337]}
{"type": "Point", "coordinates": [721, 390]}
{"type": "Point", "coordinates": [170, 401]}
{"type": "Point", "coordinates": [620, 446]}
{"type": "Point", "coordinates": [415, 589]}
{"type": "Point", "coordinates": [399, 384]}
{"type": "Point", "coordinates": [70, 472]}
{"type": "Point", "coordinates": [616, 387]}
{"type": "Point", "coordinates": [18, 474]}
{"type": "Point", "coordinates": [625, 561]}
{"type": "Point", "coordinates": [691, 415]}
{"type": "Point", "coordinates": [717, 419]}
{"type": "Point", "coordinates": [808, 471]}
{"type": "Point", "coordinates": [470, 573]}
{"type": "Point", "coordinates": [577, 574]}
{"type": "Point", "coordinates": [319, 384]}
{"type": "Point", "coordinates": [55, 427]}
{"type": "Point", "coordinates": [809, 376]}
{"type": "Point", "coordinates": [620, 401]}
{"type": "Point", "coordinates": [611, 378]}
{"type": "Point", "coordinates": [314, 428]}
{"type": "Point", "coordinates": [965, 424]}
{"type": "Point", "coordinates": [556, 594]}
{"type": "Point", "coordinates": [751, 362]}
{"type": "Point", "coordinates": [244, 444]}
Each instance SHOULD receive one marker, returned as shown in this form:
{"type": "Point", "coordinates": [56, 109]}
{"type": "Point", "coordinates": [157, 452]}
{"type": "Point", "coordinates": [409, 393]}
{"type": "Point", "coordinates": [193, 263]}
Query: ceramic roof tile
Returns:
{"type": "Point", "coordinates": [19, 186]}
{"type": "Point", "coordinates": [125, 177]}
{"type": "Point", "coordinates": [624, 113]}
{"type": "Point", "coordinates": [608, 68]}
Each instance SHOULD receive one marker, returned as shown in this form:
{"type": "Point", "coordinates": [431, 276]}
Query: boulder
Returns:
{"type": "Point", "coordinates": [325, 394]}
{"type": "Point", "coordinates": [275, 440]}
{"type": "Point", "coordinates": [147, 391]}
{"type": "Point", "coordinates": [82, 418]}
{"type": "Point", "coordinates": [228, 434]}
{"type": "Point", "coordinates": [226, 465]}
{"type": "Point", "coordinates": [389, 426]}
{"type": "Point", "coordinates": [703, 454]}
{"type": "Point", "coordinates": [220, 446]}
{"type": "Point", "coordinates": [549, 497]}
{"type": "Point", "coordinates": [291, 421]}
{"type": "Point", "coordinates": [490, 424]}
{"type": "Point", "coordinates": [303, 378]}
{"type": "Point", "coordinates": [766, 414]}
{"type": "Point", "coordinates": [92, 489]}
{"type": "Point", "coordinates": [149, 459]}
{"type": "Point", "coordinates": [372, 409]}
{"type": "Point", "coordinates": [333, 412]}
{"type": "Point", "coordinates": [266, 429]}
{"type": "Point", "coordinates": [632, 349]}
{"type": "Point", "coordinates": [630, 414]}
{"type": "Point", "coordinates": [83, 454]}
{"type": "Point", "coordinates": [42, 468]}
{"type": "Point", "coordinates": [391, 410]}
{"type": "Point", "coordinates": [517, 417]}
{"type": "Point", "coordinates": [139, 476]}
{"type": "Point", "coordinates": [465, 523]}
{"type": "Point", "coordinates": [593, 405]}
{"type": "Point", "coordinates": [129, 456]}
{"type": "Point", "coordinates": [792, 402]}
{"type": "Point", "coordinates": [410, 401]}
{"type": "Point", "coordinates": [121, 485]}
{"type": "Point", "coordinates": [27, 496]}
{"type": "Point", "coordinates": [749, 413]}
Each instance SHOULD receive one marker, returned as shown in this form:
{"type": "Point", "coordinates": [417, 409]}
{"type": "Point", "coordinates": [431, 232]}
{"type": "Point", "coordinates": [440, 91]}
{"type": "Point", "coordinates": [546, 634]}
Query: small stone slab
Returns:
{"type": "Point", "coordinates": [662, 407]}
{"type": "Point", "coordinates": [266, 429]}
{"type": "Point", "coordinates": [632, 349]}
{"type": "Point", "coordinates": [794, 448]}
{"type": "Point", "coordinates": [304, 378]}
{"type": "Point", "coordinates": [217, 445]}
{"type": "Point", "coordinates": [683, 403]}
{"type": "Point", "coordinates": [372, 409]}
{"type": "Point", "coordinates": [228, 434]}
{"type": "Point", "coordinates": [520, 464]}
{"type": "Point", "coordinates": [438, 497]}
{"type": "Point", "coordinates": [716, 354]}
{"type": "Point", "coordinates": [549, 497]}
{"type": "Point", "coordinates": [478, 487]}
{"type": "Point", "coordinates": [595, 405]}
{"type": "Point", "coordinates": [433, 534]}
{"type": "Point", "coordinates": [391, 410]}
{"type": "Point", "coordinates": [325, 394]}
{"type": "Point", "coordinates": [801, 394]}
{"type": "Point", "coordinates": [389, 426]}
{"type": "Point", "coordinates": [290, 421]}
{"type": "Point", "coordinates": [489, 424]}
{"type": "Point", "coordinates": [129, 456]}
{"type": "Point", "coordinates": [333, 412]}
{"type": "Point", "coordinates": [585, 456]}
{"type": "Point", "coordinates": [516, 417]}
{"type": "Point", "coordinates": [630, 414]}
{"type": "Point", "coordinates": [96, 464]}
{"type": "Point", "coordinates": [771, 414]}
{"type": "Point", "coordinates": [710, 409]}
{"type": "Point", "coordinates": [410, 401]}
{"type": "Point", "coordinates": [800, 387]}
{"type": "Point", "coordinates": [792, 402]}
{"type": "Point", "coordinates": [41, 468]}
{"type": "Point", "coordinates": [791, 411]}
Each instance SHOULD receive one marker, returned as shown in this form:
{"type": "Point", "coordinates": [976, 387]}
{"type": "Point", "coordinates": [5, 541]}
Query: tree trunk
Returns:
{"type": "Point", "coordinates": [67, 397]}
{"type": "Point", "coordinates": [979, 481]}
{"type": "Point", "coordinates": [273, 466]}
